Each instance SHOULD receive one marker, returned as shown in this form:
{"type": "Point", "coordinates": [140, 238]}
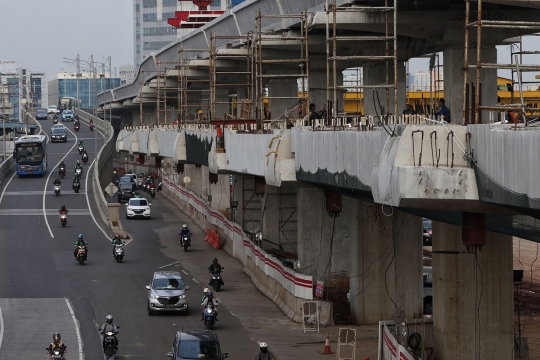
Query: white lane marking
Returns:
{"type": "Point", "coordinates": [185, 272]}
{"type": "Point", "coordinates": [195, 280]}
{"type": "Point", "coordinates": [77, 330]}
{"type": "Point", "coordinates": [49, 177]}
{"type": "Point", "coordinates": [35, 212]}
{"type": "Point", "coordinates": [1, 328]}
{"type": "Point", "coordinates": [164, 266]}
{"type": "Point", "coordinates": [19, 193]}
{"type": "Point", "coordinates": [3, 191]}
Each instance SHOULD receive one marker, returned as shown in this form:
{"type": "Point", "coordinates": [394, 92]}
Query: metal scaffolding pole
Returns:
{"type": "Point", "coordinates": [193, 85]}
{"type": "Point", "coordinates": [301, 47]}
{"type": "Point", "coordinates": [479, 24]}
{"type": "Point", "coordinates": [390, 54]}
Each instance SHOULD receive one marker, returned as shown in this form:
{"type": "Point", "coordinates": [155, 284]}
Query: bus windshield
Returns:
{"type": "Point", "coordinates": [29, 153]}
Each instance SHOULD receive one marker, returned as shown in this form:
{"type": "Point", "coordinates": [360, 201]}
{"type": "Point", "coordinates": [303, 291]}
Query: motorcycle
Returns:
{"type": "Point", "coordinates": [76, 185]}
{"type": "Point", "coordinates": [91, 127]}
{"type": "Point", "coordinates": [81, 148]}
{"type": "Point", "coordinates": [185, 242]}
{"type": "Point", "coordinates": [209, 317]}
{"type": "Point", "coordinates": [139, 183]}
{"type": "Point", "coordinates": [119, 252]}
{"type": "Point", "coordinates": [78, 172]}
{"type": "Point", "coordinates": [55, 121]}
{"type": "Point", "coordinates": [216, 280]}
{"type": "Point", "coordinates": [57, 190]}
{"type": "Point", "coordinates": [85, 159]}
{"type": "Point", "coordinates": [109, 343]}
{"type": "Point", "coordinates": [152, 191]}
{"type": "Point", "coordinates": [62, 171]}
{"type": "Point", "coordinates": [81, 254]}
{"type": "Point", "coordinates": [159, 186]}
{"type": "Point", "coordinates": [144, 186]}
{"type": "Point", "coordinates": [76, 126]}
{"type": "Point", "coordinates": [56, 354]}
{"type": "Point", "coordinates": [63, 220]}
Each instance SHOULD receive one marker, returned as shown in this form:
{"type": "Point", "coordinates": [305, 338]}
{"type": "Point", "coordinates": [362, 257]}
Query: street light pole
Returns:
{"type": "Point", "coordinates": [4, 118]}
{"type": "Point", "coordinates": [78, 74]}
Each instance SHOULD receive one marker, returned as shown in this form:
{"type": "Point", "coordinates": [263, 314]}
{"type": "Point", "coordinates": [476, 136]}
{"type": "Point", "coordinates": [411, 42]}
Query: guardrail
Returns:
{"type": "Point", "coordinates": [101, 160]}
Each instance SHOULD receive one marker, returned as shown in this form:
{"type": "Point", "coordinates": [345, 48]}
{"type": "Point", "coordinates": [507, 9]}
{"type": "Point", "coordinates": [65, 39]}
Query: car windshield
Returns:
{"type": "Point", "coordinates": [125, 179]}
{"type": "Point", "coordinates": [427, 224]}
{"type": "Point", "coordinates": [52, 107]}
{"type": "Point", "coordinates": [58, 131]}
{"type": "Point", "coordinates": [138, 202]}
{"type": "Point", "coordinates": [198, 350]}
{"type": "Point", "coordinates": [168, 284]}
{"type": "Point", "coordinates": [67, 112]}
{"type": "Point", "coordinates": [41, 112]}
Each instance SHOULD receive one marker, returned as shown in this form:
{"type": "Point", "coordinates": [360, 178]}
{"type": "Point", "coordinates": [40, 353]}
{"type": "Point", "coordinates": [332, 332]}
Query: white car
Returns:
{"type": "Point", "coordinates": [138, 207]}
{"type": "Point", "coordinates": [52, 110]}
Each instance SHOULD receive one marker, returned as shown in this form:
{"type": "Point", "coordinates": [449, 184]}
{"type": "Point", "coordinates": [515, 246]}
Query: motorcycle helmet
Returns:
{"type": "Point", "coordinates": [205, 291]}
{"type": "Point", "coordinates": [109, 319]}
{"type": "Point", "coordinates": [117, 236]}
{"type": "Point", "coordinates": [209, 293]}
{"type": "Point", "coordinates": [214, 261]}
{"type": "Point", "coordinates": [78, 162]}
{"type": "Point", "coordinates": [184, 226]}
{"type": "Point", "coordinates": [263, 346]}
{"type": "Point", "coordinates": [56, 337]}
{"type": "Point", "coordinates": [80, 237]}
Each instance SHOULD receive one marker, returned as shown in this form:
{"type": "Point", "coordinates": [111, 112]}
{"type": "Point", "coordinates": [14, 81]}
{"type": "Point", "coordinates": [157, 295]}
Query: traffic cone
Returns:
{"type": "Point", "coordinates": [327, 349]}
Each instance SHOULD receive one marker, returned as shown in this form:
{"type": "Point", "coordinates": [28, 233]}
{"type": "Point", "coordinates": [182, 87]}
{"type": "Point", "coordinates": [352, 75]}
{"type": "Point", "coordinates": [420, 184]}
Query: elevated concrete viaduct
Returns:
{"type": "Point", "coordinates": [344, 204]}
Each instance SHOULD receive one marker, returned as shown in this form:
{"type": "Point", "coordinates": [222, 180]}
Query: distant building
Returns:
{"type": "Point", "coordinates": [22, 84]}
{"type": "Point", "coordinates": [423, 81]}
{"type": "Point", "coordinates": [127, 74]}
{"type": "Point", "coordinates": [65, 85]}
{"type": "Point", "coordinates": [353, 78]}
{"type": "Point", "coordinates": [151, 29]}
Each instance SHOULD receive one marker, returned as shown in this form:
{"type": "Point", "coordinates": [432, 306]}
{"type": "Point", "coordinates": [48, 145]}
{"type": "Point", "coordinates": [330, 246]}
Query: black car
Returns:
{"type": "Point", "coordinates": [41, 115]}
{"type": "Point", "coordinates": [58, 135]}
{"type": "Point", "coordinates": [196, 344]}
{"type": "Point", "coordinates": [126, 190]}
{"type": "Point", "coordinates": [427, 233]}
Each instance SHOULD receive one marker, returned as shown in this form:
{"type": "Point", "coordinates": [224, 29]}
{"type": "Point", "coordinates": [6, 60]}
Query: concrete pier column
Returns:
{"type": "Point", "coordinates": [281, 88]}
{"type": "Point", "coordinates": [375, 74]}
{"type": "Point", "coordinates": [385, 262]}
{"type": "Point", "coordinates": [323, 242]}
{"type": "Point", "coordinates": [453, 81]}
{"type": "Point", "coordinates": [473, 308]}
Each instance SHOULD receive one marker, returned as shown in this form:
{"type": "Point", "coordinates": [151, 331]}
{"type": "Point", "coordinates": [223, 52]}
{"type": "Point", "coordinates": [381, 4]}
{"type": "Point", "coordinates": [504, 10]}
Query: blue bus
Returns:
{"type": "Point", "coordinates": [30, 155]}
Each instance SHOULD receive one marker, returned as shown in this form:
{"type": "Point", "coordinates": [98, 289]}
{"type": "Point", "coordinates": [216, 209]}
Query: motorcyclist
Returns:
{"type": "Point", "coordinates": [186, 232]}
{"type": "Point", "coordinates": [80, 242]}
{"type": "Point", "coordinates": [76, 178]}
{"type": "Point", "coordinates": [215, 267]}
{"type": "Point", "coordinates": [56, 344]}
{"type": "Point", "coordinates": [85, 154]}
{"type": "Point", "coordinates": [210, 299]}
{"type": "Point", "coordinates": [264, 354]}
{"type": "Point", "coordinates": [63, 210]}
{"type": "Point", "coordinates": [57, 181]}
{"type": "Point", "coordinates": [62, 165]}
{"type": "Point", "coordinates": [117, 241]}
{"type": "Point", "coordinates": [81, 143]}
{"type": "Point", "coordinates": [109, 326]}
{"type": "Point", "coordinates": [78, 164]}
{"type": "Point", "coordinates": [205, 291]}
{"type": "Point", "coordinates": [136, 194]}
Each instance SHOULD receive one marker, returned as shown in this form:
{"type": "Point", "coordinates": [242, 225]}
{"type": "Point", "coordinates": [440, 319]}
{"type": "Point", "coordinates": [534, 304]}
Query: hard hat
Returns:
{"type": "Point", "coordinates": [199, 112]}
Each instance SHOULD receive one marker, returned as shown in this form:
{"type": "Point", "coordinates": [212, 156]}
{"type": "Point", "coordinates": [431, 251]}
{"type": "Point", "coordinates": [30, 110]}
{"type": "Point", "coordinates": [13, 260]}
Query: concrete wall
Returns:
{"type": "Point", "coordinates": [508, 157]}
{"type": "Point", "coordinates": [280, 218]}
{"type": "Point", "coordinates": [246, 153]}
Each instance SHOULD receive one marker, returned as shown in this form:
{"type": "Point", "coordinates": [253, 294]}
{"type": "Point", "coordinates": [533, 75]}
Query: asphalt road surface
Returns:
{"type": "Point", "coordinates": [43, 290]}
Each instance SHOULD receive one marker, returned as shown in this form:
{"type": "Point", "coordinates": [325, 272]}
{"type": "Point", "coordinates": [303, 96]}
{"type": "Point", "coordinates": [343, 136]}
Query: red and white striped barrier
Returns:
{"type": "Point", "coordinates": [299, 285]}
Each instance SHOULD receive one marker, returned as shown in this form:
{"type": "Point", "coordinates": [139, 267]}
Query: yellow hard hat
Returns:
{"type": "Point", "coordinates": [200, 111]}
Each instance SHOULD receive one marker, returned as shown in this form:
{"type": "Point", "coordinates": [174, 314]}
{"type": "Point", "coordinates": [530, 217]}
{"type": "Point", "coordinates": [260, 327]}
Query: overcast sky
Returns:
{"type": "Point", "coordinates": [38, 34]}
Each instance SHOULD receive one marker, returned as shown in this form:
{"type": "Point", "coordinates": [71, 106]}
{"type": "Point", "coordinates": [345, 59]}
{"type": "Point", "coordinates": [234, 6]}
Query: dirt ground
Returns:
{"type": "Point", "coordinates": [527, 258]}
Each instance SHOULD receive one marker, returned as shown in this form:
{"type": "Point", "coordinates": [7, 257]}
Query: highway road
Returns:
{"type": "Point", "coordinates": [43, 290]}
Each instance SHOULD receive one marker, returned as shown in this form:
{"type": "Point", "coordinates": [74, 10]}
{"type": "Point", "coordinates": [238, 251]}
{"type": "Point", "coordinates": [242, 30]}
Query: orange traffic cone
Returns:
{"type": "Point", "coordinates": [327, 349]}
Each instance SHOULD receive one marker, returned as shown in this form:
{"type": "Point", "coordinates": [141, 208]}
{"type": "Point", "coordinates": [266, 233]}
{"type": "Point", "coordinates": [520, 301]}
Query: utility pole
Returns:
{"type": "Point", "coordinates": [4, 118]}
{"type": "Point", "coordinates": [78, 74]}
{"type": "Point", "coordinates": [91, 81]}
{"type": "Point", "coordinates": [110, 90]}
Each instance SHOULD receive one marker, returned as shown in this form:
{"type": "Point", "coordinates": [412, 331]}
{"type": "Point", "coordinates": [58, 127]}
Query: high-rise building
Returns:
{"type": "Point", "coordinates": [22, 84]}
{"type": "Point", "coordinates": [127, 74]}
{"type": "Point", "coordinates": [151, 29]}
{"type": "Point", "coordinates": [424, 81]}
{"type": "Point", "coordinates": [65, 85]}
